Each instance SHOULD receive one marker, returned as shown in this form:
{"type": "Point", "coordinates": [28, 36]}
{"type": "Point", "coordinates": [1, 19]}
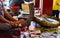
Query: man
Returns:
{"type": "Point", "coordinates": [56, 7]}
{"type": "Point", "coordinates": [7, 24]}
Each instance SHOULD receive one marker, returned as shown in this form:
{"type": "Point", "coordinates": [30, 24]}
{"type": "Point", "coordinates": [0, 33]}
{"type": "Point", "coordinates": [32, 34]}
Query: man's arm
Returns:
{"type": "Point", "coordinates": [2, 19]}
{"type": "Point", "coordinates": [8, 15]}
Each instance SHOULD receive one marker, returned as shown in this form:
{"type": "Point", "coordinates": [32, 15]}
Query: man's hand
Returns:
{"type": "Point", "coordinates": [14, 23]}
{"type": "Point", "coordinates": [11, 23]}
{"type": "Point", "coordinates": [17, 23]}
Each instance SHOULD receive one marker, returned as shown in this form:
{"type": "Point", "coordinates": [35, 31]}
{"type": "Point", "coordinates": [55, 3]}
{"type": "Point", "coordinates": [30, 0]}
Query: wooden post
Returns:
{"type": "Point", "coordinates": [31, 9]}
{"type": "Point", "coordinates": [31, 16]}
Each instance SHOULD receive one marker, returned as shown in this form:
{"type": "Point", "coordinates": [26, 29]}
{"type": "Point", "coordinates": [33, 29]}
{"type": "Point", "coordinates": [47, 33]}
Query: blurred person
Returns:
{"type": "Point", "coordinates": [56, 8]}
{"type": "Point", "coordinates": [17, 3]}
{"type": "Point", "coordinates": [6, 24]}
